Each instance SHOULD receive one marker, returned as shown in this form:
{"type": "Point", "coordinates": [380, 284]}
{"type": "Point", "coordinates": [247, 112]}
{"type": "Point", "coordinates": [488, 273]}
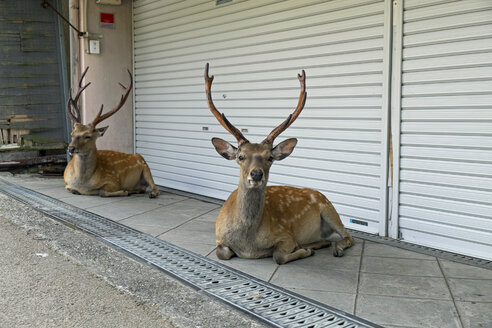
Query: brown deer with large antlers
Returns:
{"type": "Point", "coordinates": [258, 221]}
{"type": "Point", "coordinates": [102, 172]}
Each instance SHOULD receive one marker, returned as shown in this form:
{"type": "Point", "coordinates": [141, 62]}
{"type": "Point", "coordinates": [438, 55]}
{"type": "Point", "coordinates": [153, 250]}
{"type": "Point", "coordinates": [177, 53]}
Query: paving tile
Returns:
{"type": "Point", "coordinates": [157, 218]}
{"type": "Point", "coordinates": [42, 185]}
{"type": "Point", "coordinates": [166, 198]}
{"type": "Point", "coordinates": [39, 186]}
{"type": "Point", "coordinates": [479, 290]}
{"type": "Point", "coordinates": [198, 225]}
{"type": "Point", "coordinates": [458, 270]}
{"type": "Point", "coordinates": [198, 238]}
{"type": "Point", "coordinates": [340, 301]}
{"type": "Point", "coordinates": [210, 216]}
{"type": "Point", "coordinates": [396, 266]}
{"type": "Point", "coordinates": [307, 276]}
{"type": "Point", "coordinates": [148, 228]}
{"type": "Point", "coordinates": [177, 236]}
{"type": "Point", "coordinates": [125, 208]}
{"type": "Point", "coordinates": [55, 192]}
{"type": "Point", "coordinates": [86, 202]}
{"type": "Point", "coordinates": [382, 250]}
{"type": "Point", "coordinates": [259, 268]}
{"type": "Point", "coordinates": [37, 183]}
{"type": "Point", "coordinates": [324, 259]}
{"type": "Point", "coordinates": [187, 209]}
{"type": "Point", "coordinates": [406, 312]}
{"type": "Point", "coordinates": [199, 248]}
{"type": "Point", "coordinates": [474, 315]}
{"type": "Point", "coordinates": [194, 231]}
{"type": "Point", "coordinates": [399, 285]}
{"type": "Point", "coordinates": [356, 249]}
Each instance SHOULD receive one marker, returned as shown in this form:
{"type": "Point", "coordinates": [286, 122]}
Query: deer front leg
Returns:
{"type": "Point", "coordinates": [73, 191]}
{"type": "Point", "coordinates": [104, 193]}
{"type": "Point", "coordinates": [318, 244]}
{"type": "Point", "coordinates": [224, 252]}
{"type": "Point", "coordinates": [288, 251]}
{"type": "Point", "coordinates": [85, 192]}
{"type": "Point", "coordinates": [138, 190]}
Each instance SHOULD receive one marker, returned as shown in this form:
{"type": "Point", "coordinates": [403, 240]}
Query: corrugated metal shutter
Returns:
{"type": "Point", "coordinates": [256, 49]}
{"type": "Point", "coordinates": [31, 66]}
{"type": "Point", "coordinates": [446, 126]}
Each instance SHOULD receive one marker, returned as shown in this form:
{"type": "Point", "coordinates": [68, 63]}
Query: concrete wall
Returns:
{"type": "Point", "coordinates": [106, 70]}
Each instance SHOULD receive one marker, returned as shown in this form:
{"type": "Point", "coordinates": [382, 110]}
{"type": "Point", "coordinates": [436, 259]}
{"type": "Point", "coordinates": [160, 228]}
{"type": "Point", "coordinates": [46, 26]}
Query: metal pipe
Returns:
{"type": "Point", "coordinates": [45, 4]}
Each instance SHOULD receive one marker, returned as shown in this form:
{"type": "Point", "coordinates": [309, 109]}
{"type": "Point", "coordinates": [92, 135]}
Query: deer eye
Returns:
{"type": "Point", "coordinates": [87, 137]}
{"type": "Point", "coordinates": [241, 158]}
{"type": "Point", "coordinates": [270, 159]}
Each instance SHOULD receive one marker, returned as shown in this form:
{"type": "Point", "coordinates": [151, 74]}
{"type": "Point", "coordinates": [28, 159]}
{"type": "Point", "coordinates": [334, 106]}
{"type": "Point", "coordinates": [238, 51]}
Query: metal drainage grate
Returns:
{"type": "Point", "coordinates": [423, 249]}
{"type": "Point", "coordinates": [186, 265]}
{"type": "Point", "coordinates": [87, 221]}
{"type": "Point", "coordinates": [269, 303]}
{"type": "Point", "coordinates": [280, 307]}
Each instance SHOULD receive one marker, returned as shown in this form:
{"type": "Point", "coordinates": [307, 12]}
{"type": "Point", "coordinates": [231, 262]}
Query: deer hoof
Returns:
{"type": "Point", "coordinates": [154, 193]}
{"type": "Point", "coordinates": [337, 251]}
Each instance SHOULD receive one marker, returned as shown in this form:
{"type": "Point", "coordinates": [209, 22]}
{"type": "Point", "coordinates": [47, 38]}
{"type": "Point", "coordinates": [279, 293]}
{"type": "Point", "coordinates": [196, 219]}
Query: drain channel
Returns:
{"type": "Point", "coordinates": [81, 219]}
{"type": "Point", "coordinates": [271, 304]}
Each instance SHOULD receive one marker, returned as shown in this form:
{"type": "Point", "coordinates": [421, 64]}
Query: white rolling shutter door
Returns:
{"type": "Point", "coordinates": [256, 49]}
{"type": "Point", "coordinates": [446, 126]}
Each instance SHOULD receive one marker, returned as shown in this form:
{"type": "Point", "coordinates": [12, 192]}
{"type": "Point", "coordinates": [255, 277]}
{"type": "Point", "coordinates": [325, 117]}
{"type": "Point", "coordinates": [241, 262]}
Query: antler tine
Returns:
{"type": "Point", "coordinates": [74, 116]}
{"type": "Point", "coordinates": [72, 107]}
{"type": "Point", "coordinates": [292, 117]}
{"type": "Point", "coordinates": [220, 116]}
{"type": "Point", "coordinates": [99, 118]}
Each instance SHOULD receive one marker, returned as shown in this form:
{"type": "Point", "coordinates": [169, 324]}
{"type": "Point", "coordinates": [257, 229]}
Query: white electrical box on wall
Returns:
{"type": "Point", "coordinates": [109, 2]}
{"type": "Point", "coordinates": [94, 47]}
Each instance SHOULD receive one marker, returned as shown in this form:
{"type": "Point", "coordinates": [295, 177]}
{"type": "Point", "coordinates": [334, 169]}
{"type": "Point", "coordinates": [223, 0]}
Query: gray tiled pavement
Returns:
{"type": "Point", "coordinates": [383, 284]}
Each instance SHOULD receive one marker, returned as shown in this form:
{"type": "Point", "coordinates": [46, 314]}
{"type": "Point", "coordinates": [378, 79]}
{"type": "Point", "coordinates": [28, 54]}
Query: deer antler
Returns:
{"type": "Point", "coordinates": [99, 118]}
{"type": "Point", "coordinates": [72, 107]}
{"type": "Point", "coordinates": [292, 117]}
{"type": "Point", "coordinates": [221, 117]}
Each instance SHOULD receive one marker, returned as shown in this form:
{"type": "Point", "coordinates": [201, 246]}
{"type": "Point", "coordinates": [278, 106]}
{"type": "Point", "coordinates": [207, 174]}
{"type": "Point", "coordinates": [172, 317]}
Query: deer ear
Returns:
{"type": "Point", "coordinates": [224, 148]}
{"type": "Point", "coordinates": [284, 149]}
{"type": "Point", "coordinates": [101, 131]}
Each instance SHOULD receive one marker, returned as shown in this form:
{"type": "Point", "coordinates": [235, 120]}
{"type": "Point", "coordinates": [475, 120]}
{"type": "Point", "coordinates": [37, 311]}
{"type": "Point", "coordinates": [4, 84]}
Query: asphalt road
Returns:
{"type": "Point", "coordinates": [42, 288]}
{"type": "Point", "coordinates": [54, 276]}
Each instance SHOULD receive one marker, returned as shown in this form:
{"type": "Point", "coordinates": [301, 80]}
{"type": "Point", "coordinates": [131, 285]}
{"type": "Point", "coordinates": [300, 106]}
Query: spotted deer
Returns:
{"type": "Point", "coordinates": [102, 172]}
{"type": "Point", "coordinates": [257, 221]}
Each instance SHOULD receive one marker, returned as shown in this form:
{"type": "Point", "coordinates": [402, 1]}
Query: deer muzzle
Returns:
{"type": "Point", "coordinates": [71, 150]}
{"type": "Point", "coordinates": [255, 177]}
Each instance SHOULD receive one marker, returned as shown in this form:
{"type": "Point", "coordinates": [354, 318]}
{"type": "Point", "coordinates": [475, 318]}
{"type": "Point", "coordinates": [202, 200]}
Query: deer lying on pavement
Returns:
{"type": "Point", "coordinates": [102, 172]}
{"type": "Point", "coordinates": [257, 221]}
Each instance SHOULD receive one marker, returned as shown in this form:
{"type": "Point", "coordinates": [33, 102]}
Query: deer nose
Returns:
{"type": "Point", "coordinates": [71, 149]}
{"type": "Point", "coordinates": [256, 175]}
